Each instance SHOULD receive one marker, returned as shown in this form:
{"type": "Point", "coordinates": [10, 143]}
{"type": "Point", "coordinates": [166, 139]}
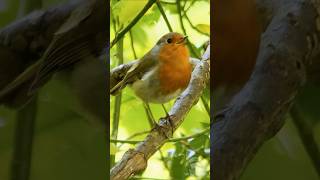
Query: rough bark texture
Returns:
{"type": "Point", "coordinates": [288, 48]}
{"type": "Point", "coordinates": [136, 159]}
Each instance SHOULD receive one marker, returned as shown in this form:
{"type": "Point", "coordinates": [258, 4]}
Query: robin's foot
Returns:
{"type": "Point", "coordinates": [165, 126]}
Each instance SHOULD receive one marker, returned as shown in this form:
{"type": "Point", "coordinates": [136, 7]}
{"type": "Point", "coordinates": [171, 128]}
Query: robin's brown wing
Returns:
{"type": "Point", "coordinates": [135, 72]}
{"type": "Point", "coordinates": [76, 39]}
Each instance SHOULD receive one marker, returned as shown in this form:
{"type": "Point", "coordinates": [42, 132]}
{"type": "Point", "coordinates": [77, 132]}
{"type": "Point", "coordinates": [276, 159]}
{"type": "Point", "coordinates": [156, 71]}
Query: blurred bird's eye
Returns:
{"type": "Point", "coordinates": [169, 40]}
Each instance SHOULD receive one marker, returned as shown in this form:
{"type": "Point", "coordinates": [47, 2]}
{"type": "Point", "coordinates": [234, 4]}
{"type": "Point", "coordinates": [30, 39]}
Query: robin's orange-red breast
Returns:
{"type": "Point", "coordinates": [161, 74]}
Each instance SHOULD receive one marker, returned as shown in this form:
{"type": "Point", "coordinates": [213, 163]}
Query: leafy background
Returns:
{"type": "Point", "coordinates": [284, 156]}
{"type": "Point", "coordinates": [67, 145]}
{"type": "Point", "coordinates": [183, 159]}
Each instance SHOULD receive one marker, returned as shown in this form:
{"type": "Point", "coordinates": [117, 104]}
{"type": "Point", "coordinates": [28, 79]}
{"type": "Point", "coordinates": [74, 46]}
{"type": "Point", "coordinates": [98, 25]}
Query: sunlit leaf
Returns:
{"type": "Point", "coordinates": [204, 28]}
{"type": "Point", "coordinates": [178, 163]}
{"type": "Point", "coordinates": [198, 142]}
{"type": "Point", "coordinates": [113, 149]}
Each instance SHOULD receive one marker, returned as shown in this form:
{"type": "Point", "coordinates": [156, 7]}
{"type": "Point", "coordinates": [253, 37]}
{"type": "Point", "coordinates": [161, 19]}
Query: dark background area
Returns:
{"type": "Point", "coordinates": [69, 142]}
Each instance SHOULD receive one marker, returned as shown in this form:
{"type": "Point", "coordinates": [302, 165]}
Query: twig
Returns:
{"type": "Point", "coordinates": [137, 134]}
{"type": "Point", "coordinates": [117, 105]}
{"type": "Point", "coordinates": [193, 51]}
{"type": "Point", "coordinates": [205, 104]}
{"type": "Point", "coordinates": [169, 140]}
{"type": "Point", "coordinates": [194, 27]}
{"type": "Point", "coordinates": [24, 133]}
{"type": "Point", "coordinates": [132, 45]}
{"type": "Point", "coordinates": [132, 136]}
{"type": "Point", "coordinates": [187, 9]}
{"type": "Point", "coordinates": [184, 4]}
{"type": "Point", "coordinates": [149, 114]}
{"type": "Point", "coordinates": [306, 134]}
{"type": "Point", "coordinates": [164, 16]}
{"type": "Point", "coordinates": [132, 23]}
{"type": "Point", "coordinates": [164, 160]}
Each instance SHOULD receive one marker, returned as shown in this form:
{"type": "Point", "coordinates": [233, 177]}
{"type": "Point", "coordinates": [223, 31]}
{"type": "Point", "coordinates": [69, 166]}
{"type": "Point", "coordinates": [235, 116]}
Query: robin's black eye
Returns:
{"type": "Point", "coordinates": [169, 40]}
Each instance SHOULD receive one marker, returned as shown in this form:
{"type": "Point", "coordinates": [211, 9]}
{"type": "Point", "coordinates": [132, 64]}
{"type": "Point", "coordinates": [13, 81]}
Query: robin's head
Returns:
{"type": "Point", "coordinates": [171, 47]}
{"type": "Point", "coordinates": [172, 39]}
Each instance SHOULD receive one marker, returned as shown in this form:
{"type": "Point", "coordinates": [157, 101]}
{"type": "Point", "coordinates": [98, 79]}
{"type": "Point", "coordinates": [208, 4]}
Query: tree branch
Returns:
{"type": "Point", "coordinates": [135, 160]}
{"type": "Point", "coordinates": [164, 16]}
{"type": "Point", "coordinates": [192, 50]}
{"type": "Point", "coordinates": [257, 112]}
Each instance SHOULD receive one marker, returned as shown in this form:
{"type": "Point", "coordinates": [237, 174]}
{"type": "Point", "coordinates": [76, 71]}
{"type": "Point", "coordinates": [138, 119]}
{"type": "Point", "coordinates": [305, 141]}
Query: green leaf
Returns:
{"type": "Point", "coordinates": [191, 165]}
{"type": "Point", "coordinates": [178, 162]}
{"type": "Point", "coordinates": [204, 28]}
{"type": "Point", "coordinates": [113, 149]}
{"type": "Point", "coordinates": [198, 142]}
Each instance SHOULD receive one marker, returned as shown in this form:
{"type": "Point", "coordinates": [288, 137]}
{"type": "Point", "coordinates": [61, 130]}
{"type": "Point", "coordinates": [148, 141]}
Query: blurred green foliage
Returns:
{"type": "Point", "coordinates": [67, 144]}
{"type": "Point", "coordinates": [187, 159]}
{"type": "Point", "coordinates": [283, 157]}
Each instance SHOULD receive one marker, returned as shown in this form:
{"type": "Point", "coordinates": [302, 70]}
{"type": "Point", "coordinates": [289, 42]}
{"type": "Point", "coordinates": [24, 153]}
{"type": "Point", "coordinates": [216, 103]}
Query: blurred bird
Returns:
{"type": "Point", "coordinates": [81, 37]}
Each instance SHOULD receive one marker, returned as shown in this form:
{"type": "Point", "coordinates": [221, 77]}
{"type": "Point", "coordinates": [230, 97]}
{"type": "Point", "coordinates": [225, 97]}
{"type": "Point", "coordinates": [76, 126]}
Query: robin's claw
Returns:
{"type": "Point", "coordinates": [165, 126]}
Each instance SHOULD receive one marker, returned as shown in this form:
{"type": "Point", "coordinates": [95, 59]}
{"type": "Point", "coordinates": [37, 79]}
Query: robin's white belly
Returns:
{"type": "Point", "coordinates": [148, 89]}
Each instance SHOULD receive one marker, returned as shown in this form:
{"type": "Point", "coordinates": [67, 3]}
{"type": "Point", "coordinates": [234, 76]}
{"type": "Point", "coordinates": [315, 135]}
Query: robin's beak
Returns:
{"type": "Point", "coordinates": [183, 40]}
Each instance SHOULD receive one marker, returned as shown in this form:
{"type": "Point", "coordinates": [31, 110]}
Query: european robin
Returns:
{"type": "Point", "coordinates": [161, 74]}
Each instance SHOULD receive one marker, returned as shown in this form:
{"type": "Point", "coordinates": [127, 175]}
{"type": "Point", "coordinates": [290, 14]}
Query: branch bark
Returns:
{"type": "Point", "coordinates": [287, 48]}
{"type": "Point", "coordinates": [135, 160]}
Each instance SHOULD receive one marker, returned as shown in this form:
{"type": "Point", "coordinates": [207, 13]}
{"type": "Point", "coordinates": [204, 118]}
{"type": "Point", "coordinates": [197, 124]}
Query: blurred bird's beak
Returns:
{"type": "Point", "coordinates": [184, 40]}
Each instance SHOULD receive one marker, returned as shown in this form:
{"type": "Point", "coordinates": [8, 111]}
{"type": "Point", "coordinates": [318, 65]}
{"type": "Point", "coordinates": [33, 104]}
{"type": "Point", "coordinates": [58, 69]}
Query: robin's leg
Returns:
{"type": "Point", "coordinates": [165, 110]}
{"type": "Point", "coordinates": [150, 116]}
{"type": "Point", "coordinates": [155, 125]}
{"type": "Point", "coordinates": [168, 117]}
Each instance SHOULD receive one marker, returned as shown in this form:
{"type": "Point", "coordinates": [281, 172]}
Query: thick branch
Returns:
{"type": "Point", "coordinates": [136, 160]}
{"type": "Point", "coordinates": [257, 112]}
